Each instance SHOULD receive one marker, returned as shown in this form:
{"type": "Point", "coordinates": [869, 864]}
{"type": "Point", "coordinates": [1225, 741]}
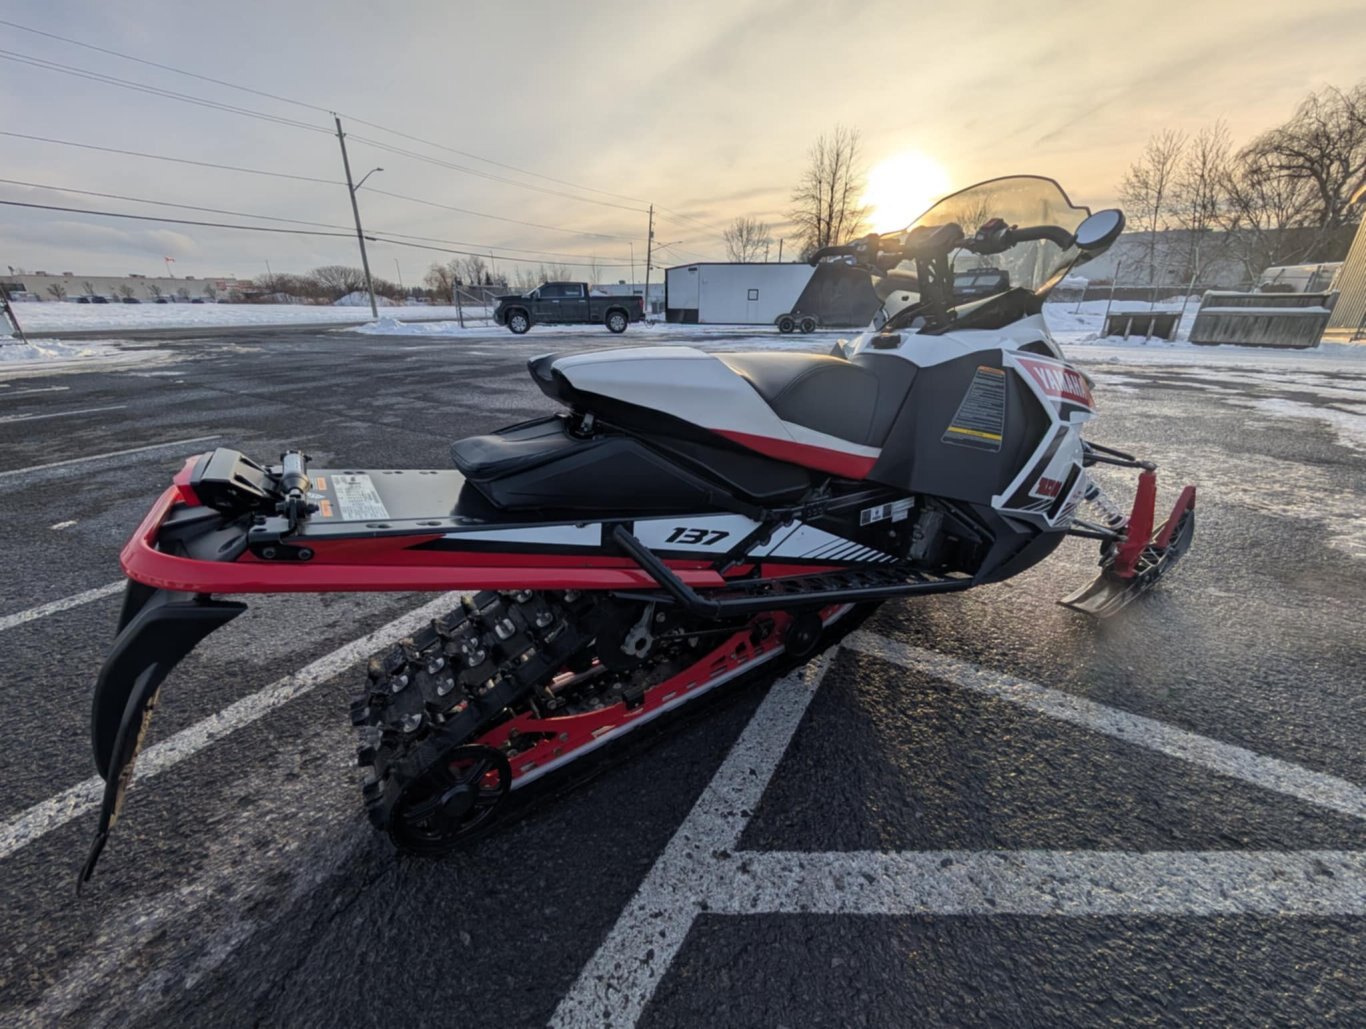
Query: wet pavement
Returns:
{"type": "Point", "coordinates": [1156, 819]}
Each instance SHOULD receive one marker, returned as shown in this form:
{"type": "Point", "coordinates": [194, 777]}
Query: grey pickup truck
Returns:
{"type": "Point", "coordinates": [567, 303]}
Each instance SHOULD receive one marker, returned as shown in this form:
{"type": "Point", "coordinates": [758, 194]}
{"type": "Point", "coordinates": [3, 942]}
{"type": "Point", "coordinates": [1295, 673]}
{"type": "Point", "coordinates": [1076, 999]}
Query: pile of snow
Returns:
{"type": "Point", "coordinates": [14, 353]}
{"type": "Point", "coordinates": [359, 299]}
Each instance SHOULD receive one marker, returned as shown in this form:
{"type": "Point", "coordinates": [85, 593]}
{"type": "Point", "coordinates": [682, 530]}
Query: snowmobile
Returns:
{"type": "Point", "coordinates": [685, 519]}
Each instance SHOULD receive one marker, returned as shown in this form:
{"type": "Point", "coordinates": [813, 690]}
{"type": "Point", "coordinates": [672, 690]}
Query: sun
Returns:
{"type": "Point", "coordinates": [901, 187]}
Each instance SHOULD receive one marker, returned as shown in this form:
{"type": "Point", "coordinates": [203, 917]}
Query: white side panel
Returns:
{"type": "Point", "coordinates": [725, 290]}
{"type": "Point", "coordinates": [817, 545]}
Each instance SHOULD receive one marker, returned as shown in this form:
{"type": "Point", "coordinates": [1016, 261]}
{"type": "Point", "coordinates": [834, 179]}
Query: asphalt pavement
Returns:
{"type": "Point", "coordinates": [984, 809]}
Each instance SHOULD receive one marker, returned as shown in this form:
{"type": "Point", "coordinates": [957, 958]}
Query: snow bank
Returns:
{"type": "Point", "coordinates": [14, 352]}
{"type": "Point", "coordinates": [361, 299]}
{"type": "Point", "coordinates": [16, 357]}
{"type": "Point", "coordinates": [53, 317]}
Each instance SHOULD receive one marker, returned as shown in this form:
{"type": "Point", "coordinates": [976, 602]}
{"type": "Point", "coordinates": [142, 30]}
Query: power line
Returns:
{"type": "Point", "coordinates": [294, 221]}
{"type": "Point", "coordinates": [175, 160]}
{"type": "Point", "coordinates": [163, 67]}
{"type": "Point", "coordinates": [585, 258]}
{"type": "Point", "coordinates": [169, 94]}
{"type": "Point", "coordinates": [293, 123]}
{"type": "Point", "coordinates": [404, 152]}
{"type": "Point", "coordinates": [485, 253]}
{"type": "Point", "coordinates": [312, 107]}
{"type": "Point", "coordinates": [260, 171]}
{"type": "Point", "coordinates": [172, 221]}
{"type": "Point", "coordinates": [295, 232]}
{"type": "Point", "coordinates": [167, 203]}
{"type": "Point", "coordinates": [496, 217]}
{"type": "Point", "coordinates": [674, 216]}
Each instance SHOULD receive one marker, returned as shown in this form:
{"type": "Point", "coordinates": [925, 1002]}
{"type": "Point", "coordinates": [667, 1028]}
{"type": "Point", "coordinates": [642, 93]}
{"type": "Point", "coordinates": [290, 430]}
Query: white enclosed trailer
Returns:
{"type": "Point", "coordinates": [791, 295]}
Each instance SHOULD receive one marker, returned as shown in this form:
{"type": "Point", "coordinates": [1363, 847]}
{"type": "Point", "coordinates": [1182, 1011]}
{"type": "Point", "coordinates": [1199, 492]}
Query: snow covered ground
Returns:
{"type": "Point", "coordinates": [53, 317]}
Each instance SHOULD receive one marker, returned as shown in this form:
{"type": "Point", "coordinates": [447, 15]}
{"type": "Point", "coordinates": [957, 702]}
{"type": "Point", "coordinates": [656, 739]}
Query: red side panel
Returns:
{"type": "Point", "coordinates": [836, 462]}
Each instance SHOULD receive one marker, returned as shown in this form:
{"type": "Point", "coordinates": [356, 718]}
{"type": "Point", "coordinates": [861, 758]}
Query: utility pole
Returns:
{"type": "Point", "coordinates": [780, 251]}
{"type": "Point", "coordinates": [649, 253]}
{"type": "Point", "coordinates": [9, 315]}
{"type": "Point", "coordinates": [355, 210]}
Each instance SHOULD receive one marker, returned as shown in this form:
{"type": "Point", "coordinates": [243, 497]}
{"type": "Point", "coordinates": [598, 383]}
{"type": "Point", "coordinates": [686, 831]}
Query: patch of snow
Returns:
{"type": "Point", "coordinates": [360, 298]}
{"type": "Point", "coordinates": [18, 359]}
{"type": "Point", "coordinates": [1350, 428]}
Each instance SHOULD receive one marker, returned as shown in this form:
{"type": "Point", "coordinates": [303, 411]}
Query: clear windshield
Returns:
{"type": "Point", "coordinates": [1019, 200]}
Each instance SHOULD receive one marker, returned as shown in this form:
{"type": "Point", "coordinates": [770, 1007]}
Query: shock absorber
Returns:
{"type": "Point", "coordinates": [1097, 498]}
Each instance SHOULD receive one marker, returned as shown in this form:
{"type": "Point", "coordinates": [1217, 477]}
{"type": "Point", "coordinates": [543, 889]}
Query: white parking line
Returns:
{"type": "Point", "coordinates": [700, 870]}
{"type": "Point", "coordinates": [619, 980]}
{"type": "Point", "coordinates": [53, 606]}
{"type": "Point", "coordinates": [84, 797]}
{"type": "Point", "coordinates": [111, 453]}
{"type": "Point", "coordinates": [39, 389]}
{"type": "Point", "coordinates": [60, 414]}
{"type": "Point", "coordinates": [1044, 882]}
{"type": "Point", "coordinates": [1267, 772]}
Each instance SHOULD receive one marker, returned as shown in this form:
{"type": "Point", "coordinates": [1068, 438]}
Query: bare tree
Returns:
{"type": "Point", "coordinates": [1198, 196]}
{"type": "Point", "coordinates": [339, 280]}
{"type": "Point", "coordinates": [440, 279]}
{"type": "Point", "coordinates": [124, 290]}
{"type": "Point", "coordinates": [825, 204]}
{"type": "Point", "coordinates": [1324, 146]}
{"type": "Point", "coordinates": [1269, 216]}
{"type": "Point", "coordinates": [89, 288]}
{"type": "Point", "coordinates": [57, 290]}
{"type": "Point", "coordinates": [473, 270]}
{"type": "Point", "coordinates": [594, 270]}
{"type": "Point", "coordinates": [154, 291]}
{"type": "Point", "coordinates": [1146, 191]}
{"type": "Point", "coordinates": [746, 239]}
{"type": "Point", "coordinates": [210, 291]}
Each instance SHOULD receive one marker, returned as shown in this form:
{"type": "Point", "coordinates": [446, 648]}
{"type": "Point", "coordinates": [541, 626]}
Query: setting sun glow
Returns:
{"type": "Point", "coordinates": [901, 187]}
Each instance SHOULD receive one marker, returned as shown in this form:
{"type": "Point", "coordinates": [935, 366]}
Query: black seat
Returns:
{"type": "Point", "coordinates": [850, 400]}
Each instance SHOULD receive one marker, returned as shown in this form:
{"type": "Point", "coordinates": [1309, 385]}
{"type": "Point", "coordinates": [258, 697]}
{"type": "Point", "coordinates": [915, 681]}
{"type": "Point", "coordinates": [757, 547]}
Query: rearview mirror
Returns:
{"type": "Point", "coordinates": [1099, 230]}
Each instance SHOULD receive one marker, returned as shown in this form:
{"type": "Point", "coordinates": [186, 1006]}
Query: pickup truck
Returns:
{"type": "Point", "coordinates": [567, 303]}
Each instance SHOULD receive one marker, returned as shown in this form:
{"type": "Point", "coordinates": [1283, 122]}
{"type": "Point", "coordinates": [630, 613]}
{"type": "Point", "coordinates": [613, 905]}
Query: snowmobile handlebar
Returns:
{"type": "Point", "coordinates": [993, 237]}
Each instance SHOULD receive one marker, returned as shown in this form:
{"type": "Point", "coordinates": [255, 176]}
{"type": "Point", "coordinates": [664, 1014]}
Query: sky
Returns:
{"type": "Point", "coordinates": [706, 109]}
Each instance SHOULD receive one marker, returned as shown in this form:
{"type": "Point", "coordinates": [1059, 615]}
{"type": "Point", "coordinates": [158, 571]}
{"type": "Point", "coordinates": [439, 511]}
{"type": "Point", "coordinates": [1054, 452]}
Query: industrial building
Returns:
{"type": "Point", "coordinates": [45, 286]}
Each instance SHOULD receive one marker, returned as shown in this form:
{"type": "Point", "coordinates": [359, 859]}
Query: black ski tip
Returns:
{"type": "Point", "coordinates": [91, 859]}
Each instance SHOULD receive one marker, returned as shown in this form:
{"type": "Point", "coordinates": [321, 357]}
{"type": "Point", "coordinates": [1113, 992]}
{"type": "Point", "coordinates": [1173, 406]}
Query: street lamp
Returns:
{"type": "Point", "coordinates": [355, 210]}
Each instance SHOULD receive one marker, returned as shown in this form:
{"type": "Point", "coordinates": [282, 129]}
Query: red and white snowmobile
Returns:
{"type": "Point", "coordinates": [686, 519]}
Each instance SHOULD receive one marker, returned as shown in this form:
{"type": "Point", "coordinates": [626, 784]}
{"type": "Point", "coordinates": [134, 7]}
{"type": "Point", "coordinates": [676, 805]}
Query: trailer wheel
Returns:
{"type": "Point", "coordinates": [518, 322]}
{"type": "Point", "coordinates": [786, 324]}
{"type": "Point", "coordinates": [808, 324]}
{"type": "Point", "coordinates": [616, 321]}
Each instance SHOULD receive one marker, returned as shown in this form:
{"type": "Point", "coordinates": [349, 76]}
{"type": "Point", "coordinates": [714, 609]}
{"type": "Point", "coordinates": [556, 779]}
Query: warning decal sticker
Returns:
{"type": "Point", "coordinates": [981, 417]}
{"type": "Point", "coordinates": [356, 498]}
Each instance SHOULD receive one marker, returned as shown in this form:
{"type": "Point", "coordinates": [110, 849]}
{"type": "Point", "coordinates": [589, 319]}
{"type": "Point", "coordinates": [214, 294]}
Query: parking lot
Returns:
{"type": "Point", "coordinates": [983, 808]}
